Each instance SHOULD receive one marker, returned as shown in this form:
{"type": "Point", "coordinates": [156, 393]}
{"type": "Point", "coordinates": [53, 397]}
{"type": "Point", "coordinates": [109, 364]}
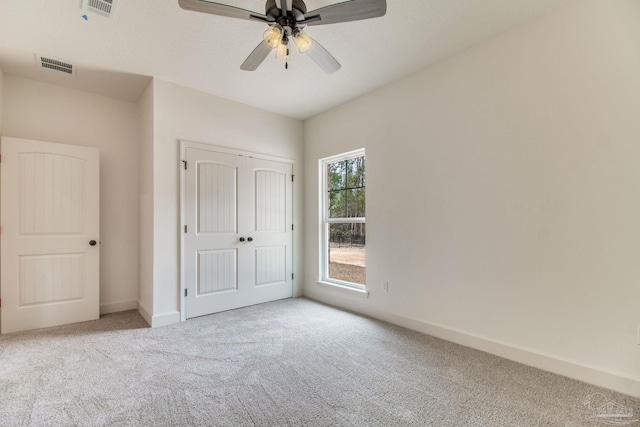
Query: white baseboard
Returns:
{"type": "Point", "coordinates": [593, 375]}
{"type": "Point", "coordinates": [165, 319]}
{"type": "Point", "coordinates": [158, 320]}
{"type": "Point", "coordinates": [115, 307]}
{"type": "Point", "coordinates": [144, 312]}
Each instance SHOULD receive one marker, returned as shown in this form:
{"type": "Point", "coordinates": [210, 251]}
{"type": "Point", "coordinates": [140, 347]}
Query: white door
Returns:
{"type": "Point", "coordinates": [50, 230]}
{"type": "Point", "coordinates": [238, 236]}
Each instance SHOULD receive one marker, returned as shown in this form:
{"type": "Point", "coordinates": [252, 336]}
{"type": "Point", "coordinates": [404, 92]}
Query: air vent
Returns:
{"type": "Point", "coordinates": [106, 8]}
{"type": "Point", "coordinates": [54, 64]}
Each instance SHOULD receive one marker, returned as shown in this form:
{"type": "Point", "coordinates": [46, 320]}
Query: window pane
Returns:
{"type": "Point", "coordinates": [336, 175]}
{"type": "Point", "coordinates": [338, 204]}
{"type": "Point", "coordinates": [346, 182]}
{"type": "Point", "coordinates": [347, 252]}
{"type": "Point", "coordinates": [355, 172]}
{"type": "Point", "coordinates": [355, 203]}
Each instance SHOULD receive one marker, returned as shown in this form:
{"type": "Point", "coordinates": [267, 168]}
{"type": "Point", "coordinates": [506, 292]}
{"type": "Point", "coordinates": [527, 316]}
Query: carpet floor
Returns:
{"type": "Point", "coordinates": [287, 363]}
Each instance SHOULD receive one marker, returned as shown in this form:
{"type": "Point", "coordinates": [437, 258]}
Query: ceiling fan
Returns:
{"type": "Point", "coordinates": [287, 22]}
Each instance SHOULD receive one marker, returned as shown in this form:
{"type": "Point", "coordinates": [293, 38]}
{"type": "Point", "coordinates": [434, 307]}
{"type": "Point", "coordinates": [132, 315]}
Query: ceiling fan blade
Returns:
{"type": "Point", "coordinates": [354, 10]}
{"type": "Point", "coordinates": [256, 57]}
{"type": "Point", "coordinates": [220, 9]}
{"type": "Point", "coordinates": [323, 58]}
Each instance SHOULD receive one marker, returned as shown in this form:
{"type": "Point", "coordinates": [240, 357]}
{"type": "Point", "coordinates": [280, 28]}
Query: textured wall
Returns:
{"type": "Point", "coordinates": [502, 193]}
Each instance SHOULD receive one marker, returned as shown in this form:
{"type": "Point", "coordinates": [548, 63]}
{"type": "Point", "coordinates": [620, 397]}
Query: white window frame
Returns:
{"type": "Point", "coordinates": [325, 220]}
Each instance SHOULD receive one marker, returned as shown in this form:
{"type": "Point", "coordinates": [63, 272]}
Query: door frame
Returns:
{"type": "Point", "coordinates": [184, 145]}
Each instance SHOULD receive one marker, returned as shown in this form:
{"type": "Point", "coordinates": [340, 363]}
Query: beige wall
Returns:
{"type": "Point", "coordinates": [186, 114]}
{"type": "Point", "coordinates": [41, 111]}
{"type": "Point", "coordinates": [503, 195]}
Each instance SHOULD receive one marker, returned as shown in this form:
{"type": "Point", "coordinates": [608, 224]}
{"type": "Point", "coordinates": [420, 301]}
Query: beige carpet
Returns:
{"type": "Point", "coordinates": [288, 363]}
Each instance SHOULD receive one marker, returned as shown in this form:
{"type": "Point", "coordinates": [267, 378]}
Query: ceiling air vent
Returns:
{"type": "Point", "coordinates": [105, 8]}
{"type": "Point", "coordinates": [54, 64]}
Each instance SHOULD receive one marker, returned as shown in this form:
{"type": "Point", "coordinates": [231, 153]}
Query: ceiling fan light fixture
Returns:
{"type": "Point", "coordinates": [283, 50]}
{"type": "Point", "coordinates": [303, 41]}
{"type": "Point", "coordinates": [273, 36]}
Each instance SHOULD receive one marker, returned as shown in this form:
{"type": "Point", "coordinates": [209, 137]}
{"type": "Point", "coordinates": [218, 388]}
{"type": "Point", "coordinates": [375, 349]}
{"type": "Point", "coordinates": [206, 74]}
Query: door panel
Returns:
{"type": "Point", "coordinates": [44, 279]}
{"type": "Point", "coordinates": [237, 249]}
{"type": "Point", "coordinates": [270, 265]}
{"type": "Point", "coordinates": [217, 271]}
{"type": "Point", "coordinates": [217, 193]}
{"type": "Point", "coordinates": [50, 212]}
{"type": "Point", "coordinates": [51, 194]}
{"type": "Point", "coordinates": [271, 201]}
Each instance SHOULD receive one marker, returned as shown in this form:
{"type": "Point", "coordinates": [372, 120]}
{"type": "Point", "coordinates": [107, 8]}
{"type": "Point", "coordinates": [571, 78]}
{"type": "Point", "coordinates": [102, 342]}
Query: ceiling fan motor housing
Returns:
{"type": "Point", "coordinates": [293, 19]}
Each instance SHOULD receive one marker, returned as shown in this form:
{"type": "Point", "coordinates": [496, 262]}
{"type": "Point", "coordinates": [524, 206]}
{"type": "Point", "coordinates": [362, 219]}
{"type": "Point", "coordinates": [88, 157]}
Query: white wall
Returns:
{"type": "Point", "coordinates": [145, 195]}
{"type": "Point", "coordinates": [185, 114]}
{"type": "Point", "coordinates": [1, 103]}
{"type": "Point", "coordinates": [503, 195]}
{"type": "Point", "coordinates": [1, 98]}
{"type": "Point", "coordinates": [41, 111]}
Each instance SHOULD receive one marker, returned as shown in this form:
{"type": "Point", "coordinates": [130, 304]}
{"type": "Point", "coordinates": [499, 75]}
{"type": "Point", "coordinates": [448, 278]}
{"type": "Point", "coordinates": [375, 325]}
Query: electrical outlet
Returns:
{"type": "Point", "coordinates": [385, 287]}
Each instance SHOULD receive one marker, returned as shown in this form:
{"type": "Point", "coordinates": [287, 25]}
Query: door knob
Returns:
{"type": "Point", "coordinates": [250, 239]}
{"type": "Point", "coordinates": [93, 243]}
{"type": "Point", "coordinates": [242, 239]}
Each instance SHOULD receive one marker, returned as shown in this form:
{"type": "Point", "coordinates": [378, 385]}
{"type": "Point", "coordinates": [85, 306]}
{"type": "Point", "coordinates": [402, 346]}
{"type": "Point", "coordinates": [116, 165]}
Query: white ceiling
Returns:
{"type": "Point", "coordinates": [157, 38]}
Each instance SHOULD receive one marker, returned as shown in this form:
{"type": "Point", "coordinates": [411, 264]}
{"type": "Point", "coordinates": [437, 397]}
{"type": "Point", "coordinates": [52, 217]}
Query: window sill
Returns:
{"type": "Point", "coordinates": [334, 286]}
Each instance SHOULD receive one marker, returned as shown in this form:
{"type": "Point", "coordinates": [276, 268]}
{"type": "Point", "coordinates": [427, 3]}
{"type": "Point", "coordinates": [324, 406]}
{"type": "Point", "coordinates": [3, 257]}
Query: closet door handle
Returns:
{"type": "Point", "coordinates": [250, 239]}
{"type": "Point", "coordinates": [242, 239]}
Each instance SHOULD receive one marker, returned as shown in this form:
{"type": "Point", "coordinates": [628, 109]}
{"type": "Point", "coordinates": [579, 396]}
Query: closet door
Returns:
{"type": "Point", "coordinates": [237, 245]}
{"type": "Point", "coordinates": [271, 231]}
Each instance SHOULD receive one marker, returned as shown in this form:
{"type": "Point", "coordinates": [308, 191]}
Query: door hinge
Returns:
{"type": "Point", "coordinates": [185, 164]}
{"type": "Point", "coordinates": [292, 178]}
{"type": "Point", "coordinates": [185, 229]}
{"type": "Point", "coordinates": [291, 276]}
{"type": "Point", "coordinates": [186, 292]}
{"type": "Point", "coordinates": [291, 227]}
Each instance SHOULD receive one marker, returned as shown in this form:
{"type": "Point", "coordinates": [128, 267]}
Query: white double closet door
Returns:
{"type": "Point", "coordinates": [238, 239]}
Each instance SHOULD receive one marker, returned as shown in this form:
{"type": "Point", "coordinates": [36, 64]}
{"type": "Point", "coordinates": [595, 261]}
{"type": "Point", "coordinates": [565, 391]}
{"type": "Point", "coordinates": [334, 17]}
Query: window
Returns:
{"type": "Point", "coordinates": [343, 220]}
